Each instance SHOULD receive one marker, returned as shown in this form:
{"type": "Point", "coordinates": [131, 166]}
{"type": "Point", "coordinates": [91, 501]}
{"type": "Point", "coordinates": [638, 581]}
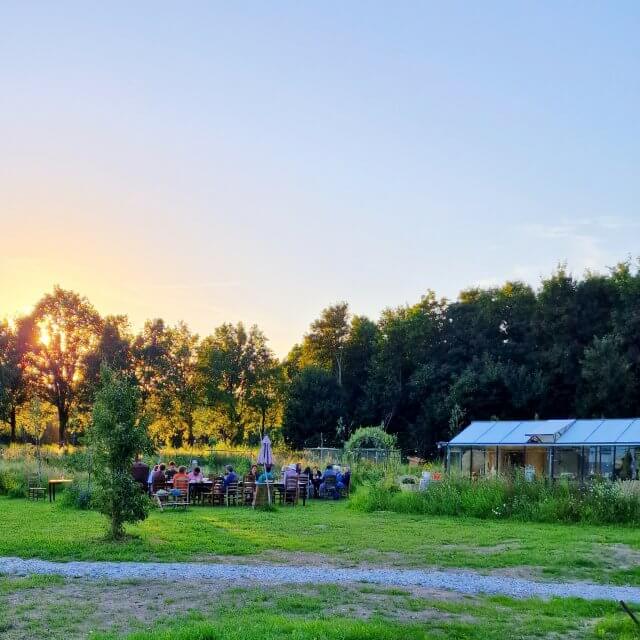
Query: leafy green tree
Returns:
{"type": "Point", "coordinates": [113, 350]}
{"type": "Point", "coordinates": [151, 354]}
{"type": "Point", "coordinates": [325, 342]}
{"type": "Point", "coordinates": [359, 352]}
{"type": "Point", "coordinates": [607, 383]}
{"type": "Point", "coordinates": [70, 329]}
{"type": "Point", "coordinates": [180, 393]}
{"type": "Point", "coordinates": [117, 434]}
{"type": "Point", "coordinates": [314, 406]}
{"type": "Point", "coordinates": [15, 382]}
{"type": "Point", "coordinates": [266, 396]}
{"type": "Point", "coordinates": [557, 349]}
{"type": "Point", "coordinates": [232, 366]}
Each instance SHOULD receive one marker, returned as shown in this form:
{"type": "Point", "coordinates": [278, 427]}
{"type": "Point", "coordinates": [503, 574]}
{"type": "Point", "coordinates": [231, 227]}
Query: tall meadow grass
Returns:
{"type": "Point", "coordinates": [600, 502]}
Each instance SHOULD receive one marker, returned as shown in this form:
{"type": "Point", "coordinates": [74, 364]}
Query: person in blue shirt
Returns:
{"type": "Point", "coordinates": [229, 477]}
{"type": "Point", "coordinates": [266, 475]}
{"type": "Point", "coordinates": [331, 472]}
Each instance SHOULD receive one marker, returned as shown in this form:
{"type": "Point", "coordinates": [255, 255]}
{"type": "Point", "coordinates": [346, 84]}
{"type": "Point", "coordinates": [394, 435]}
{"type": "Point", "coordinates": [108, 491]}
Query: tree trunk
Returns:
{"type": "Point", "coordinates": [12, 422]}
{"type": "Point", "coordinates": [63, 419]}
{"type": "Point", "coordinates": [190, 438]}
{"type": "Point", "coordinates": [339, 367]}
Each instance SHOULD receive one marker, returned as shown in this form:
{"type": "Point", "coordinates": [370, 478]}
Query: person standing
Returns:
{"type": "Point", "coordinates": [140, 472]}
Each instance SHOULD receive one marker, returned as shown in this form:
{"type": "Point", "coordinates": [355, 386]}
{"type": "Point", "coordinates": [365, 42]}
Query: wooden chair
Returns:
{"type": "Point", "coordinates": [330, 486]}
{"type": "Point", "coordinates": [303, 488]}
{"type": "Point", "coordinates": [35, 490]}
{"type": "Point", "coordinates": [180, 501]}
{"type": "Point", "coordinates": [218, 496]}
{"type": "Point", "coordinates": [232, 494]}
{"type": "Point", "coordinates": [290, 493]}
{"type": "Point", "coordinates": [248, 489]}
{"type": "Point", "coordinates": [205, 493]}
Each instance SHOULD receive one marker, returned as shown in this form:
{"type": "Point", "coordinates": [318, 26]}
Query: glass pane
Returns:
{"type": "Point", "coordinates": [567, 463]}
{"type": "Point", "coordinates": [478, 462]}
{"type": "Point", "coordinates": [626, 463]}
{"type": "Point", "coordinates": [455, 460]}
{"type": "Point", "coordinates": [593, 468]}
{"type": "Point", "coordinates": [466, 462]}
{"type": "Point", "coordinates": [606, 462]}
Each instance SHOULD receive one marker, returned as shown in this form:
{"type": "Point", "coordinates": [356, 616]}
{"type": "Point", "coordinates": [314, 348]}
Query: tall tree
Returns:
{"type": "Point", "coordinates": [180, 392]}
{"type": "Point", "coordinates": [607, 383]}
{"type": "Point", "coordinates": [112, 350]}
{"type": "Point", "coordinates": [327, 338]}
{"type": "Point", "coordinates": [69, 330]}
{"type": "Point", "coordinates": [15, 343]}
{"type": "Point", "coordinates": [231, 363]}
{"type": "Point", "coordinates": [314, 406]}
{"type": "Point", "coordinates": [151, 354]}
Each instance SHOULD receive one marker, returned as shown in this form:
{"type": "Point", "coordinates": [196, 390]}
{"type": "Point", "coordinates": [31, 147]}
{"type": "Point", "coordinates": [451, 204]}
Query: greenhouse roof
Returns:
{"type": "Point", "coordinates": [568, 432]}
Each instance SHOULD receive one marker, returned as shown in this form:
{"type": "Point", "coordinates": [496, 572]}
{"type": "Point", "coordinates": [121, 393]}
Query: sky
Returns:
{"type": "Point", "coordinates": [258, 161]}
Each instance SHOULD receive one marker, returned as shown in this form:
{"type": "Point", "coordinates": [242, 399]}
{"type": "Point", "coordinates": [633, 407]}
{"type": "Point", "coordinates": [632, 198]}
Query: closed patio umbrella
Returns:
{"type": "Point", "coordinates": [265, 457]}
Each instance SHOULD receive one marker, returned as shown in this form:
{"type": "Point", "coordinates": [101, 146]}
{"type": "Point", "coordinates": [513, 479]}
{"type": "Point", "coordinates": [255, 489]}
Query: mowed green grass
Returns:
{"type": "Point", "coordinates": [346, 537]}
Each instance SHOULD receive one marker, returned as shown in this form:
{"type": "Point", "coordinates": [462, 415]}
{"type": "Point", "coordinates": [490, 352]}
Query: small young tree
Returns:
{"type": "Point", "coordinates": [33, 419]}
{"type": "Point", "coordinates": [116, 435]}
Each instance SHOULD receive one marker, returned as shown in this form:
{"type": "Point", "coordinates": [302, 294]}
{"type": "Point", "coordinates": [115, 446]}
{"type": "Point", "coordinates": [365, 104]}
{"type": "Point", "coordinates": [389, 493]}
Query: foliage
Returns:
{"type": "Point", "coordinates": [600, 502]}
{"type": "Point", "coordinates": [78, 495]}
{"type": "Point", "coordinates": [370, 438]}
{"type": "Point", "coordinates": [314, 406]}
{"type": "Point", "coordinates": [569, 348]}
{"type": "Point", "coordinates": [69, 330]}
{"type": "Point", "coordinates": [238, 374]}
{"type": "Point", "coordinates": [116, 436]}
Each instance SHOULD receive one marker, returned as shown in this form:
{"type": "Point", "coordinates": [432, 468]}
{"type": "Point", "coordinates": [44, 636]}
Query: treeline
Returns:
{"type": "Point", "coordinates": [569, 348]}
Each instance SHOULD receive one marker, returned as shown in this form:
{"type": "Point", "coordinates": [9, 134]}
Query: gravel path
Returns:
{"type": "Point", "coordinates": [462, 582]}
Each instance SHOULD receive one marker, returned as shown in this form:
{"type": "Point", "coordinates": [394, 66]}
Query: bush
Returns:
{"type": "Point", "coordinates": [601, 502]}
{"type": "Point", "coordinates": [370, 438]}
{"type": "Point", "coordinates": [78, 496]}
{"type": "Point", "coordinates": [13, 481]}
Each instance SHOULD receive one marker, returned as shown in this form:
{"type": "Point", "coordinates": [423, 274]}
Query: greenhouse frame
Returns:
{"type": "Point", "coordinates": [572, 449]}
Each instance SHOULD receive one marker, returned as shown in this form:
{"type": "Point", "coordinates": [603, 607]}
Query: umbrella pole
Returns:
{"type": "Point", "coordinates": [268, 488]}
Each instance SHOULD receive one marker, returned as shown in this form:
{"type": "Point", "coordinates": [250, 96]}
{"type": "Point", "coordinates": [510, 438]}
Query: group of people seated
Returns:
{"type": "Point", "coordinates": [177, 480]}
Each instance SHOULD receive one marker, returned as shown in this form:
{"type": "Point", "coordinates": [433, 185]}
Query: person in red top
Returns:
{"type": "Point", "coordinates": [181, 480]}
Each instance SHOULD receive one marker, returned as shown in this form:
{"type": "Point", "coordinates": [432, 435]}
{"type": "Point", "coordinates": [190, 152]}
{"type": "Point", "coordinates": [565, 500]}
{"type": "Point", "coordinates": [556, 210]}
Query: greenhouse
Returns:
{"type": "Point", "coordinates": [571, 449]}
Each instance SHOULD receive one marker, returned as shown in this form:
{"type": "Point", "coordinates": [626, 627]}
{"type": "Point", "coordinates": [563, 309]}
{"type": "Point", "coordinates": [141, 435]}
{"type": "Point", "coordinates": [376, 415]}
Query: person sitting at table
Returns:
{"type": "Point", "coordinates": [181, 480]}
{"type": "Point", "coordinates": [229, 477]}
{"type": "Point", "coordinates": [266, 475]}
{"type": "Point", "coordinates": [329, 472]}
{"type": "Point", "coordinates": [196, 476]}
{"type": "Point", "coordinates": [289, 471]}
{"type": "Point", "coordinates": [157, 478]}
{"type": "Point", "coordinates": [171, 471]}
{"type": "Point", "coordinates": [140, 472]}
{"type": "Point", "coordinates": [316, 481]}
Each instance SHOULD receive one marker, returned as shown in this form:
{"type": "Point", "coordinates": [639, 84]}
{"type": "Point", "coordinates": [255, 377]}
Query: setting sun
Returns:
{"type": "Point", "coordinates": [45, 336]}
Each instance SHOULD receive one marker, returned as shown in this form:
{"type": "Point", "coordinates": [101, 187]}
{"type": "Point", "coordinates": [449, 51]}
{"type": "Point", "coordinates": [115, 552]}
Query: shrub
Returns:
{"type": "Point", "coordinates": [78, 495]}
{"type": "Point", "coordinates": [601, 502]}
{"type": "Point", "coordinates": [117, 434]}
{"type": "Point", "coordinates": [369, 438]}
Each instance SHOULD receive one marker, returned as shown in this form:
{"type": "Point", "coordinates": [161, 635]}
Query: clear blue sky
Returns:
{"type": "Point", "coordinates": [259, 161]}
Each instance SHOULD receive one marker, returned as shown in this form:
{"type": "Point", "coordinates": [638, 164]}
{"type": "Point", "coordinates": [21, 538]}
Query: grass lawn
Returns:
{"type": "Point", "coordinates": [339, 535]}
{"type": "Point", "coordinates": [68, 610]}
